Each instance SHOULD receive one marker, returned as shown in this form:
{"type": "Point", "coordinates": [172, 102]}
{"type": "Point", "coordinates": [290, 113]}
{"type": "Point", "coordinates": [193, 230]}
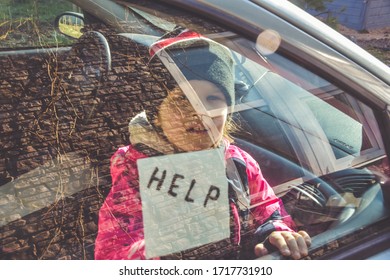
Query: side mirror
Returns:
{"type": "Point", "coordinates": [70, 24]}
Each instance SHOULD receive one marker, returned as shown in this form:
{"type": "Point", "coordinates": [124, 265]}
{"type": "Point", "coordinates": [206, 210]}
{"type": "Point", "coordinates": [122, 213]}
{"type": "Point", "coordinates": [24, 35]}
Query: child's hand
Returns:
{"type": "Point", "coordinates": [290, 244]}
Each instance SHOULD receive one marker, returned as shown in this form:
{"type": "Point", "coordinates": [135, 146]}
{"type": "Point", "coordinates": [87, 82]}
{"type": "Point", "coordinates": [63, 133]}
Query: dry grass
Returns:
{"type": "Point", "coordinates": [375, 41]}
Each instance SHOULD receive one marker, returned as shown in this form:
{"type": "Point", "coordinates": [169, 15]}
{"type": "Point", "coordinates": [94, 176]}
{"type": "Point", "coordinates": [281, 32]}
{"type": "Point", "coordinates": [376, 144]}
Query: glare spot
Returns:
{"type": "Point", "coordinates": [268, 42]}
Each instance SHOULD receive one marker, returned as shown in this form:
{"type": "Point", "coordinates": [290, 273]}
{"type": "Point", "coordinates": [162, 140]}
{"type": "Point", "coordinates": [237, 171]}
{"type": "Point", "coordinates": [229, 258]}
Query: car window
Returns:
{"type": "Point", "coordinates": [29, 24]}
{"type": "Point", "coordinates": [84, 127]}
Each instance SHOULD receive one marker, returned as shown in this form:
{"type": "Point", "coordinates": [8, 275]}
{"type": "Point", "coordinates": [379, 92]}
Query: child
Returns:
{"type": "Point", "coordinates": [193, 116]}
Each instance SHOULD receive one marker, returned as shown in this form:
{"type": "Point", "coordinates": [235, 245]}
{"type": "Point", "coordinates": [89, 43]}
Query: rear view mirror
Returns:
{"type": "Point", "coordinates": [70, 24]}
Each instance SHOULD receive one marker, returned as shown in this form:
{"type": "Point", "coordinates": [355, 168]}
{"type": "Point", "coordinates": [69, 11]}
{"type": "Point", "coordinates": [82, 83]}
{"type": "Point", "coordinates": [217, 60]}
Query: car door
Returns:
{"type": "Point", "coordinates": [38, 169]}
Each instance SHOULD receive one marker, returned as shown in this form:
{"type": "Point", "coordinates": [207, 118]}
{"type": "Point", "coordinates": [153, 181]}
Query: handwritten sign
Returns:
{"type": "Point", "coordinates": [184, 201]}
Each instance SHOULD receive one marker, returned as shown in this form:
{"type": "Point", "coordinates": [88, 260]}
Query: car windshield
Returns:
{"type": "Point", "coordinates": [98, 148]}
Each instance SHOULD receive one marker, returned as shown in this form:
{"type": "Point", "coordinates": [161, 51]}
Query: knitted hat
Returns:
{"type": "Point", "coordinates": [199, 58]}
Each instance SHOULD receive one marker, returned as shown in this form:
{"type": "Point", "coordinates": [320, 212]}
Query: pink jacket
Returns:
{"type": "Point", "coordinates": [120, 227]}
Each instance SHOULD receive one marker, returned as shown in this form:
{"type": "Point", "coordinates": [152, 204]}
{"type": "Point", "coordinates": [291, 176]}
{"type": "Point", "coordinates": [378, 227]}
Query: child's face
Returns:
{"type": "Point", "coordinates": [190, 129]}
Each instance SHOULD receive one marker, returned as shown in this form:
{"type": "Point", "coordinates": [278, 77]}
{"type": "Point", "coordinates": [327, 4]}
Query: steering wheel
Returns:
{"type": "Point", "coordinates": [320, 201]}
{"type": "Point", "coordinates": [315, 205]}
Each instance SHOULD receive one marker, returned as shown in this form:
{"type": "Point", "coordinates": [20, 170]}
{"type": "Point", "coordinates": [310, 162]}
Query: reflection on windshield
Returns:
{"type": "Point", "coordinates": [43, 186]}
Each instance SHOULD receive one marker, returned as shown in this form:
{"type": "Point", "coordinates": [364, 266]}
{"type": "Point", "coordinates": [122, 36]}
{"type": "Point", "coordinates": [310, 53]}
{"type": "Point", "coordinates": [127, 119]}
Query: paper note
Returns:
{"type": "Point", "coordinates": [184, 201]}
